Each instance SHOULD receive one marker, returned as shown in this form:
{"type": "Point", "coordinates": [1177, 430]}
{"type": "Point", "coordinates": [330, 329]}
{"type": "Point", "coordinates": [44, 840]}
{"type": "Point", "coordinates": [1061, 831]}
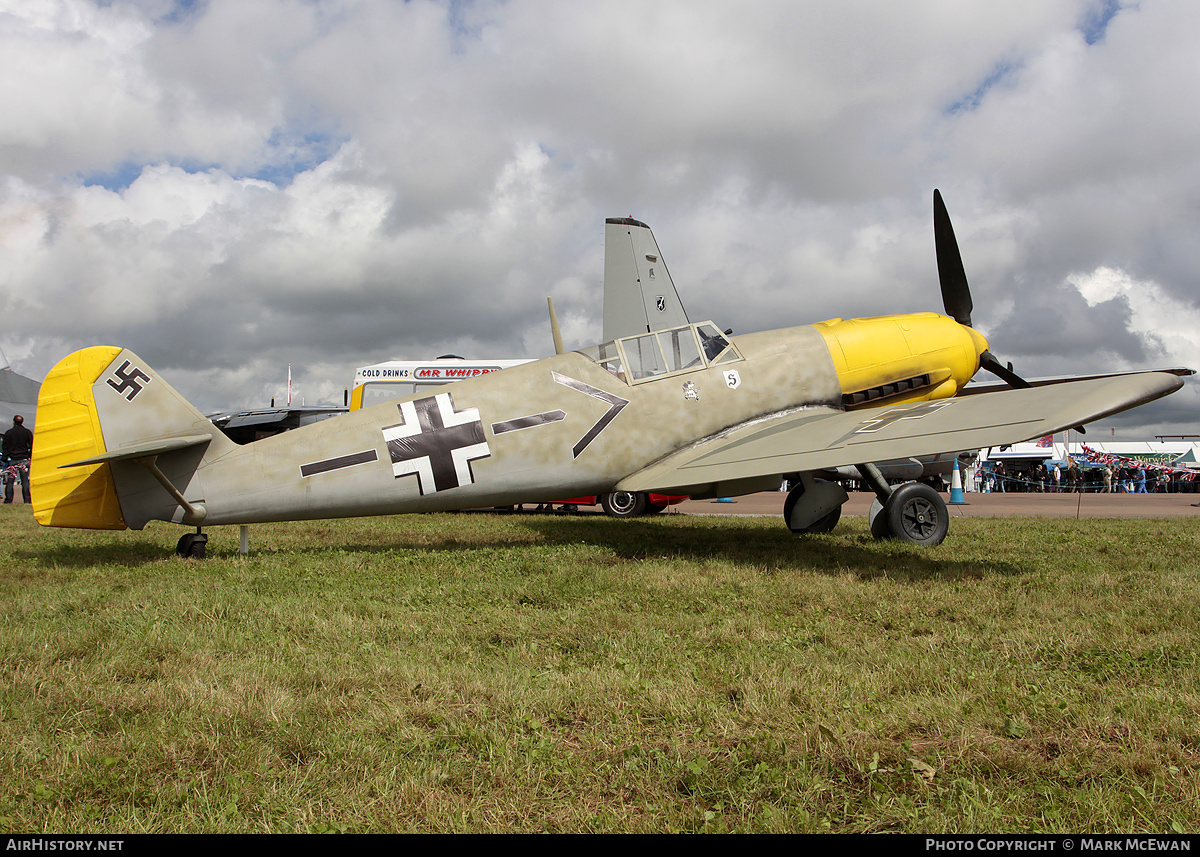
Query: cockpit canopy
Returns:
{"type": "Point", "coordinates": [665, 352]}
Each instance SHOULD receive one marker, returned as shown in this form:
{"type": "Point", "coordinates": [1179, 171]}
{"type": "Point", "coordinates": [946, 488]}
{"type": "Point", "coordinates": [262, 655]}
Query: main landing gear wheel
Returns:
{"type": "Point", "coordinates": [624, 504]}
{"type": "Point", "coordinates": [824, 523]}
{"type": "Point", "coordinates": [912, 513]}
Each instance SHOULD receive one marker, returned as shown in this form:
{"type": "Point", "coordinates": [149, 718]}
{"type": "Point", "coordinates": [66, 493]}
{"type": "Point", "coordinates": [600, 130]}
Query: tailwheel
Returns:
{"type": "Point", "coordinates": [813, 506]}
{"type": "Point", "coordinates": [912, 513]}
{"type": "Point", "coordinates": [192, 545]}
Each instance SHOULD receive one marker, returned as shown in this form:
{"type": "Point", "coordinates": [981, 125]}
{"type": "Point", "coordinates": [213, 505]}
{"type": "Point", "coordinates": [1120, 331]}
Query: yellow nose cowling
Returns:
{"type": "Point", "coordinates": [901, 358]}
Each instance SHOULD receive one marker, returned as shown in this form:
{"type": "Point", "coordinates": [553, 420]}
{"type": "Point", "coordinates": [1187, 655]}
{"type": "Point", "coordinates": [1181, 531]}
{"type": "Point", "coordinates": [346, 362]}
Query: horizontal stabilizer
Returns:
{"type": "Point", "coordinates": [142, 450]}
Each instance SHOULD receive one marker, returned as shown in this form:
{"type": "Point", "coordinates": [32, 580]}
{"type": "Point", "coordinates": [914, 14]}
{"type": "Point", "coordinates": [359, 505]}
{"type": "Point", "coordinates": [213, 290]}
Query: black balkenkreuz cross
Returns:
{"type": "Point", "coordinates": [883, 419]}
{"type": "Point", "coordinates": [436, 443]}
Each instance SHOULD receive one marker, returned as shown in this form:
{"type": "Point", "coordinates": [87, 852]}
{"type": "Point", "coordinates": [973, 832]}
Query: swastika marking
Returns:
{"type": "Point", "coordinates": [130, 381]}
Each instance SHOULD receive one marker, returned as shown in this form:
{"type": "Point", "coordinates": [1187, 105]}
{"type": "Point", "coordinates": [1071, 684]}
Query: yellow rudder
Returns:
{"type": "Point", "coordinates": [68, 430]}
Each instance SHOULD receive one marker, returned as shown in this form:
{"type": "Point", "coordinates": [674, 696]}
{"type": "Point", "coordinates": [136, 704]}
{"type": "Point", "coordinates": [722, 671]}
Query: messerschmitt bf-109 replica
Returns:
{"type": "Point", "coordinates": [688, 410]}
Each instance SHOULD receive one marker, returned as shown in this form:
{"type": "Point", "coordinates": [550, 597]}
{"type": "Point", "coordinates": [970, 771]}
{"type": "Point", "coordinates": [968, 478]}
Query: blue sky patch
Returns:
{"type": "Point", "coordinates": [973, 99]}
{"type": "Point", "coordinates": [294, 154]}
{"type": "Point", "coordinates": [1094, 24]}
{"type": "Point", "coordinates": [116, 179]}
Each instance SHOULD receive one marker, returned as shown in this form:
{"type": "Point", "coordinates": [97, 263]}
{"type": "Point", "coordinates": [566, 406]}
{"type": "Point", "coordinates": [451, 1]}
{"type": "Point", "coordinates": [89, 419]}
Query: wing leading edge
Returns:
{"type": "Point", "coordinates": [817, 438]}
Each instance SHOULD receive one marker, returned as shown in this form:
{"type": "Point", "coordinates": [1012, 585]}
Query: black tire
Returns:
{"type": "Point", "coordinates": [916, 513]}
{"type": "Point", "coordinates": [654, 508]}
{"type": "Point", "coordinates": [823, 525]}
{"type": "Point", "coordinates": [879, 528]}
{"type": "Point", "coordinates": [192, 545]}
{"type": "Point", "coordinates": [624, 504]}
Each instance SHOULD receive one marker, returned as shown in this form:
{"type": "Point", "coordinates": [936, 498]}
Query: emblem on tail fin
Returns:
{"type": "Point", "coordinates": [131, 380]}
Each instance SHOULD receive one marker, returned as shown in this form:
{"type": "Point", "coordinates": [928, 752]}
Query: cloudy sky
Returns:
{"type": "Point", "coordinates": [232, 186]}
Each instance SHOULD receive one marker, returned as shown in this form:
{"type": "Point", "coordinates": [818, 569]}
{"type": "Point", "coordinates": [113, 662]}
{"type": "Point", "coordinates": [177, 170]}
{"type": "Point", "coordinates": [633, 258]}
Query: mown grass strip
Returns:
{"type": "Point", "coordinates": [479, 672]}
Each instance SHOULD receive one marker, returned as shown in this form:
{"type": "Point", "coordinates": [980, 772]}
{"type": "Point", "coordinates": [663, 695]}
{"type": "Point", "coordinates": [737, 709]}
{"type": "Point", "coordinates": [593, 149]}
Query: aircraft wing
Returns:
{"type": "Point", "coordinates": [822, 437]}
{"type": "Point", "coordinates": [975, 387]}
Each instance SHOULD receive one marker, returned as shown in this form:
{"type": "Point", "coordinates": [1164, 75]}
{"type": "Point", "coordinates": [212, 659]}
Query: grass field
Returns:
{"type": "Point", "coordinates": [487, 673]}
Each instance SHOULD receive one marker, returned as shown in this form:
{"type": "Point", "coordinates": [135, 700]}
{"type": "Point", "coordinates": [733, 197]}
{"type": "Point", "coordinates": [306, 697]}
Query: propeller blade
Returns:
{"type": "Point", "coordinates": [989, 361]}
{"type": "Point", "coordinates": [956, 294]}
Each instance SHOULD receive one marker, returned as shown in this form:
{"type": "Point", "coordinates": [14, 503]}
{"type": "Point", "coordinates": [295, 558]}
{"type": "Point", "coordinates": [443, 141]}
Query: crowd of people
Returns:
{"type": "Point", "coordinates": [1107, 478]}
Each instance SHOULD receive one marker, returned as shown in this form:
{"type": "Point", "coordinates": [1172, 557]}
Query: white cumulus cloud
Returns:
{"type": "Point", "coordinates": [231, 187]}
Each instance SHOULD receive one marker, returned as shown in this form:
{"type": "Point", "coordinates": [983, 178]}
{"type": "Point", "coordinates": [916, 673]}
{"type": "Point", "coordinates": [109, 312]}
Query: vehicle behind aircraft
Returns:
{"type": "Point", "coordinates": [395, 379]}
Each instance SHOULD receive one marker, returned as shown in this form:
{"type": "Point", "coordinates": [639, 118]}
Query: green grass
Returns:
{"type": "Point", "coordinates": [491, 673]}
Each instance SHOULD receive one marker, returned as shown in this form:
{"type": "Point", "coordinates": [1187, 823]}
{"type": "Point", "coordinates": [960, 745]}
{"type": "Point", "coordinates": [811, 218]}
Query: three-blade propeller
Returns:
{"type": "Point", "coordinates": [956, 294]}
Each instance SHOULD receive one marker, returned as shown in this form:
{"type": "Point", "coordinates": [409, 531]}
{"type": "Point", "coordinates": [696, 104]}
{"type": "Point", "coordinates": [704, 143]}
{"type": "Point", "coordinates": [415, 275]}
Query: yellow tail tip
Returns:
{"type": "Point", "coordinates": [68, 430]}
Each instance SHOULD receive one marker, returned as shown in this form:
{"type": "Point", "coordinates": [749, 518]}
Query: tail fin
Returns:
{"type": "Point", "coordinates": [639, 296]}
{"type": "Point", "coordinates": [99, 410]}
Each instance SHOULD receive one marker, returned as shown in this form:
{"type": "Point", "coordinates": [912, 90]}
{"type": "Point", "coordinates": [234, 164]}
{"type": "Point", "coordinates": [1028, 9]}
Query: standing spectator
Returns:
{"type": "Point", "coordinates": [18, 447]}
